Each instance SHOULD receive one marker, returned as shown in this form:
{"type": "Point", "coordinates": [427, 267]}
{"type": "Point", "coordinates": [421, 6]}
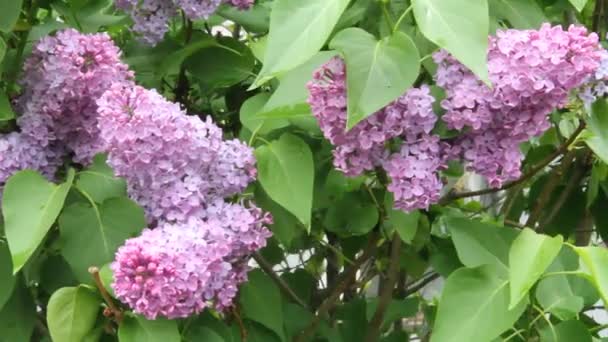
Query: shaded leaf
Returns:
{"type": "Point", "coordinates": [7, 279]}
{"type": "Point", "coordinates": [91, 234]}
{"type": "Point", "coordinates": [567, 331]}
{"type": "Point", "coordinates": [9, 14]}
{"type": "Point", "coordinates": [522, 14]}
{"type": "Point", "coordinates": [18, 316]}
{"type": "Point", "coordinates": [261, 302]}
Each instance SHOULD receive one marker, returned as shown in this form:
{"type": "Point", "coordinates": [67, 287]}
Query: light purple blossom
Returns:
{"type": "Point", "coordinates": [174, 163]}
{"type": "Point", "coordinates": [151, 17]}
{"type": "Point", "coordinates": [532, 73]}
{"type": "Point", "coordinates": [177, 270]}
{"type": "Point", "coordinates": [410, 118]}
{"type": "Point", "coordinates": [63, 78]}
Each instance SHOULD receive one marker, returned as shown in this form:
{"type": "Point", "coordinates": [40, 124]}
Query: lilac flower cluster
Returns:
{"type": "Point", "coordinates": [413, 170]}
{"type": "Point", "coordinates": [177, 270]}
{"type": "Point", "coordinates": [151, 17]}
{"type": "Point", "coordinates": [62, 80]}
{"type": "Point", "coordinates": [532, 73]}
{"type": "Point", "coordinates": [180, 170]}
{"type": "Point", "coordinates": [597, 85]}
{"type": "Point", "coordinates": [174, 163]}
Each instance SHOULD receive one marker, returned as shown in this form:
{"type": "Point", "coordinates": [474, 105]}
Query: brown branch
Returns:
{"type": "Point", "coordinates": [548, 188]}
{"type": "Point", "coordinates": [343, 283]}
{"type": "Point", "coordinates": [239, 321]}
{"type": "Point", "coordinates": [183, 84]}
{"type": "Point", "coordinates": [451, 196]}
{"type": "Point", "coordinates": [113, 310]}
{"type": "Point", "coordinates": [267, 267]}
{"type": "Point", "coordinates": [579, 172]}
{"type": "Point", "coordinates": [375, 326]}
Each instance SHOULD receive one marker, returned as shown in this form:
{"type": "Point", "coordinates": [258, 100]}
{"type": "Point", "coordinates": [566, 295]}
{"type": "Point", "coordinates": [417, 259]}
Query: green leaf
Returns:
{"type": "Point", "coordinates": [71, 313]}
{"type": "Point", "coordinates": [6, 110]}
{"type": "Point", "coordinates": [261, 302]}
{"type": "Point", "coordinates": [578, 4]}
{"type": "Point", "coordinates": [207, 321]}
{"type": "Point", "coordinates": [479, 243]}
{"type": "Point", "coordinates": [56, 273]}
{"type": "Point", "coordinates": [207, 335]}
{"type": "Point", "coordinates": [599, 172]}
{"type": "Point", "coordinates": [296, 319]}
{"type": "Point", "coordinates": [99, 181]}
{"type": "Point", "coordinates": [567, 331]}
{"type": "Point", "coordinates": [298, 30]}
{"type": "Point", "coordinates": [139, 329]}
{"type": "Point", "coordinates": [289, 100]}
{"type": "Point", "coordinates": [351, 216]}
{"type": "Point", "coordinates": [474, 306]}
{"type": "Point", "coordinates": [406, 224]}
{"type": "Point", "coordinates": [597, 126]}
{"type": "Point", "coordinates": [7, 279]}
{"type": "Point", "coordinates": [10, 11]}
{"type": "Point", "coordinates": [255, 19]}
{"type": "Point", "coordinates": [522, 14]}
{"type": "Point", "coordinates": [286, 172]}
{"type": "Point", "coordinates": [378, 71]}
{"type": "Point", "coordinates": [91, 234]}
{"type": "Point", "coordinates": [2, 55]}
{"type": "Point", "coordinates": [249, 119]}
{"type": "Point", "coordinates": [18, 316]}
{"type": "Point", "coordinates": [460, 27]}
{"type": "Point", "coordinates": [284, 225]}
{"type": "Point", "coordinates": [30, 205]}
{"type": "Point", "coordinates": [529, 257]}
{"type": "Point", "coordinates": [107, 277]}
{"type": "Point", "coordinates": [223, 65]}
{"type": "Point", "coordinates": [595, 260]}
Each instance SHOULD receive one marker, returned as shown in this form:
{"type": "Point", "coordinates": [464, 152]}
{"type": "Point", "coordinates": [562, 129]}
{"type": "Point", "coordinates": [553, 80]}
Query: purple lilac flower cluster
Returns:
{"type": "Point", "coordinates": [413, 170]}
{"type": "Point", "coordinates": [532, 73]}
{"type": "Point", "coordinates": [177, 270]}
{"type": "Point", "coordinates": [179, 168]}
{"type": "Point", "coordinates": [597, 85]}
{"type": "Point", "coordinates": [151, 17]}
{"type": "Point", "coordinates": [62, 79]}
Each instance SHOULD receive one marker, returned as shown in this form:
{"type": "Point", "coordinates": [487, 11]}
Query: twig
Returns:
{"type": "Point", "coordinates": [239, 322]}
{"type": "Point", "coordinates": [267, 267]}
{"type": "Point", "coordinates": [345, 280]}
{"type": "Point", "coordinates": [533, 171]}
{"type": "Point", "coordinates": [113, 309]}
{"type": "Point", "coordinates": [420, 285]}
{"type": "Point", "coordinates": [183, 85]}
{"type": "Point", "coordinates": [375, 326]}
